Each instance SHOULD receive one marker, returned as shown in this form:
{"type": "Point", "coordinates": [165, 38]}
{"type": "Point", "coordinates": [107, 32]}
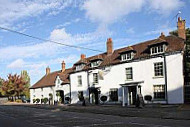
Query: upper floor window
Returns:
{"type": "Point", "coordinates": [41, 89]}
{"type": "Point", "coordinates": [79, 67]}
{"type": "Point", "coordinates": [95, 63]}
{"type": "Point", "coordinates": [129, 73]}
{"type": "Point", "coordinates": [127, 56]}
{"type": "Point", "coordinates": [79, 80]}
{"type": "Point", "coordinates": [158, 69]}
{"type": "Point", "coordinates": [157, 49]}
{"type": "Point", "coordinates": [95, 78]}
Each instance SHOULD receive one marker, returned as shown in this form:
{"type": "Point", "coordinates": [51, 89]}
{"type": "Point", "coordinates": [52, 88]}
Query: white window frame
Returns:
{"type": "Point", "coordinates": [80, 67]}
{"type": "Point", "coordinates": [158, 69]}
{"type": "Point", "coordinates": [129, 73]}
{"type": "Point", "coordinates": [127, 56]}
{"type": "Point", "coordinates": [158, 49]}
{"type": "Point", "coordinates": [95, 63]}
{"type": "Point", "coordinates": [159, 89]}
{"type": "Point", "coordinates": [79, 77]}
{"type": "Point", "coordinates": [95, 78]}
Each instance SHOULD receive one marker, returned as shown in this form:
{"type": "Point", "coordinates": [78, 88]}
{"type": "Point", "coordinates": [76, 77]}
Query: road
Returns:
{"type": "Point", "coordinates": [22, 116]}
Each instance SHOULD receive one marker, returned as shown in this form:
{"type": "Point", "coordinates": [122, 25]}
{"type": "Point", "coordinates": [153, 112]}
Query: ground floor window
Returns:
{"type": "Point", "coordinates": [113, 94]}
{"type": "Point", "coordinates": [159, 92]}
{"type": "Point", "coordinates": [80, 95]}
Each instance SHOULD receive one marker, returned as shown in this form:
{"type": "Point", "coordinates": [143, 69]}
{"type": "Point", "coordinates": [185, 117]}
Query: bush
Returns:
{"type": "Point", "coordinates": [45, 100]}
{"type": "Point", "coordinates": [34, 100]}
{"type": "Point", "coordinates": [148, 97]}
{"type": "Point", "coordinates": [103, 98]}
{"type": "Point", "coordinates": [19, 101]}
{"type": "Point", "coordinates": [37, 100]}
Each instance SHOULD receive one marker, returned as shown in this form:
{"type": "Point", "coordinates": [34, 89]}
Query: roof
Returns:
{"type": "Point", "coordinates": [49, 80]}
{"type": "Point", "coordinates": [141, 50]}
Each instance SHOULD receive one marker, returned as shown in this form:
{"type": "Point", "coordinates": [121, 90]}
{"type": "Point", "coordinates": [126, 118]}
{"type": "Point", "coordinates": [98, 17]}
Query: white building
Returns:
{"type": "Point", "coordinates": [153, 68]}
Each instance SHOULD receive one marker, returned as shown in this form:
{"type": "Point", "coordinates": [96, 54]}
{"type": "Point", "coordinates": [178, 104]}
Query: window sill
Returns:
{"type": "Point", "coordinates": [126, 80]}
{"type": "Point", "coordinates": [155, 77]}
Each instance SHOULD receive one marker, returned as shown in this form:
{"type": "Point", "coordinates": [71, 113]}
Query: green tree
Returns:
{"type": "Point", "coordinates": [25, 76]}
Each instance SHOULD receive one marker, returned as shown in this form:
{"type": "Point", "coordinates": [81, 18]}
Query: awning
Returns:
{"type": "Point", "coordinates": [132, 83]}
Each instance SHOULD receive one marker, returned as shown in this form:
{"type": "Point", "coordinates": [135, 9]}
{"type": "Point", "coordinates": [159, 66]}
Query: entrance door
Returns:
{"type": "Point", "coordinates": [95, 96]}
{"type": "Point", "coordinates": [62, 96]}
{"type": "Point", "coordinates": [132, 92]}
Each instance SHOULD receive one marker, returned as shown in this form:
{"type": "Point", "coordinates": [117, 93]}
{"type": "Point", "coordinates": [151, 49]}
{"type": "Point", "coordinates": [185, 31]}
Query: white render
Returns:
{"type": "Point", "coordinates": [143, 72]}
{"type": "Point", "coordinates": [45, 91]}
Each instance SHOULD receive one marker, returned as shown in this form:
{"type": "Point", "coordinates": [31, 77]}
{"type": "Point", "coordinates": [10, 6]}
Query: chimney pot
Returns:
{"type": "Point", "coordinates": [82, 56]}
{"type": "Point", "coordinates": [109, 46]}
{"type": "Point", "coordinates": [162, 36]}
{"type": "Point", "coordinates": [47, 70]}
{"type": "Point", "coordinates": [181, 28]}
{"type": "Point", "coordinates": [63, 66]}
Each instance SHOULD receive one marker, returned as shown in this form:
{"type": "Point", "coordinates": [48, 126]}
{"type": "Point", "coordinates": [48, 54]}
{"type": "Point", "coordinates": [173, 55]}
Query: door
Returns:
{"type": "Point", "coordinates": [132, 92]}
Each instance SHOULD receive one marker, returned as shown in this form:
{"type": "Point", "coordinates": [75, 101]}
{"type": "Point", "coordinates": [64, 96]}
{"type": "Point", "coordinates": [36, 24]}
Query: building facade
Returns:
{"type": "Point", "coordinates": [153, 68]}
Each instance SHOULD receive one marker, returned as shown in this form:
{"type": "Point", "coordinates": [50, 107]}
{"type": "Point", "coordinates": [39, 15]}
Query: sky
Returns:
{"type": "Point", "coordinates": [85, 23]}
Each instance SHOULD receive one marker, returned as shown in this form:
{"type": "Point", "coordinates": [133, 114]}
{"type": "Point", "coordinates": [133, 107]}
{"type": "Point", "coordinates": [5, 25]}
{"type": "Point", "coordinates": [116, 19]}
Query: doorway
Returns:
{"type": "Point", "coordinates": [60, 96]}
{"type": "Point", "coordinates": [94, 96]}
{"type": "Point", "coordinates": [132, 95]}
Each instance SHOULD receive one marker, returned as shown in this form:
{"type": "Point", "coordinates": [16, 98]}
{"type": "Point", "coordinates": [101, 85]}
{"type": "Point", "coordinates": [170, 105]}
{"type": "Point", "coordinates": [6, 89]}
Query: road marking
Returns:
{"type": "Point", "coordinates": [151, 125]}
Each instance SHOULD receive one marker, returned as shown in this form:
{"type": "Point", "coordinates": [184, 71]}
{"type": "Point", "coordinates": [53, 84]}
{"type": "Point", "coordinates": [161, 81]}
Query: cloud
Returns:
{"type": "Point", "coordinates": [130, 31]}
{"type": "Point", "coordinates": [165, 7]}
{"type": "Point", "coordinates": [109, 11]}
{"type": "Point", "coordinates": [19, 63]}
{"type": "Point", "coordinates": [14, 10]}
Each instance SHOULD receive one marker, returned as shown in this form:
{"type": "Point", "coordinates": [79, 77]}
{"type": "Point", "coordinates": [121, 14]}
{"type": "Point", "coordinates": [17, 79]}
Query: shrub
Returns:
{"type": "Point", "coordinates": [103, 98]}
{"type": "Point", "coordinates": [19, 101]}
{"type": "Point", "coordinates": [45, 100]}
{"type": "Point", "coordinates": [148, 97]}
{"type": "Point", "coordinates": [37, 100]}
{"type": "Point", "coordinates": [34, 100]}
{"type": "Point", "coordinates": [50, 95]}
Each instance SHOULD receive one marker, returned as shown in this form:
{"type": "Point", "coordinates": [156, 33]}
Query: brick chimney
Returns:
{"type": "Point", "coordinates": [63, 66]}
{"type": "Point", "coordinates": [82, 56]}
{"type": "Point", "coordinates": [181, 28]}
{"type": "Point", "coordinates": [47, 70]}
{"type": "Point", "coordinates": [162, 36]}
{"type": "Point", "coordinates": [109, 46]}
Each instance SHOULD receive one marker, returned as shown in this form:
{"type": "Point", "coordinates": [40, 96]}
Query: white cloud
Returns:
{"type": "Point", "coordinates": [130, 31]}
{"type": "Point", "coordinates": [19, 63]}
{"type": "Point", "coordinates": [165, 7]}
{"type": "Point", "coordinates": [13, 10]}
{"type": "Point", "coordinates": [109, 11]}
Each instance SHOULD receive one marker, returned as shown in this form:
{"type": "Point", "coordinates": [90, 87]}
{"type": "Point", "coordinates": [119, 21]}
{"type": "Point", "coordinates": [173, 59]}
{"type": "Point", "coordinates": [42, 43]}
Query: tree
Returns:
{"type": "Point", "coordinates": [14, 86]}
{"type": "Point", "coordinates": [26, 78]}
{"type": "Point", "coordinates": [1, 83]}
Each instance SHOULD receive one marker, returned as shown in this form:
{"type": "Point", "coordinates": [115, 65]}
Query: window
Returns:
{"type": "Point", "coordinates": [95, 78]}
{"type": "Point", "coordinates": [80, 95]}
{"type": "Point", "coordinates": [158, 69]}
{"type": "Point", "coordinates": [41, 89]}
{"type": "Point", "coordinates": [113, 94]}
{"type": "Point", "coordinates": [157, 49]}
{"type": "Point", "coordinates": [79, 80]}
{"type": "Point", "coordinates": [125, 57]}
{"type": "Point", "coordinates": [33, 90]}
{"type": "Point", "coordinates": [129, 73]}
{"type": "Point", "coordinates": [79, 67]}
{"type": "Point", "coordinates": [159, 92]}
{"type": "Point", "coordinates": [58, 81]}
{"type": "Point", "coordinates": [95, 63]}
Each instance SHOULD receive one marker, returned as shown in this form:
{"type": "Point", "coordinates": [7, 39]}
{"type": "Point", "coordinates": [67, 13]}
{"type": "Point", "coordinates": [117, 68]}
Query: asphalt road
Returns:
{"type": "Point", "coordinates": [20, 116]}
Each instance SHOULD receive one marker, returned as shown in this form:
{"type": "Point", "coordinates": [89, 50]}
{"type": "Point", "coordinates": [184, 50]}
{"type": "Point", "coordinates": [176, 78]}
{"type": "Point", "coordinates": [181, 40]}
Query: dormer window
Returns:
{"type": "Point", "coordinates": [157, 49]}
{"type": "Point", "coordinates": [80, 67]}
{"type": "Point", "coordinates": [95, 63]}
{"type": "Point", "coordinates": [127, 56]}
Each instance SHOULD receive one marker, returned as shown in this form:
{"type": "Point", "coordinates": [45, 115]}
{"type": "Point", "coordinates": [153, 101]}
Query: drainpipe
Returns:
{"type": "Point", "coordinates": [70, 92]}
{"type": "Point", "coordinates": [88, 86]}
{"type": "Point", "coordinates": [165, 74]}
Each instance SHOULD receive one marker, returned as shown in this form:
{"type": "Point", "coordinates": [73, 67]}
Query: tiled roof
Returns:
{"type": "Point", "coordinates": [49, 80]}
{"type": "Point", "coordinates": [174, 43]}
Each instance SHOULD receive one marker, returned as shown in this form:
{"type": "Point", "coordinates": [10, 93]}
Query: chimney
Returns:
{"type": "Point", "coordinates": [47, 70]}
{"type": "Point", "coordinates": [63, 66]}
{"type": "Point", "coordinates": [82, 56]}
{"type": "Point", "coordinates": [162, 36]}
{"type": "Point", "coordinates": [109, 46]}
{"type": "Point", "coordinates": [181, 28]}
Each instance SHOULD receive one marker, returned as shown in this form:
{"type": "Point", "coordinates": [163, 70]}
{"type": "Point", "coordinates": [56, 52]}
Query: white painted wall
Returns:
{"type": "Point", "coordinates": [142, 71]}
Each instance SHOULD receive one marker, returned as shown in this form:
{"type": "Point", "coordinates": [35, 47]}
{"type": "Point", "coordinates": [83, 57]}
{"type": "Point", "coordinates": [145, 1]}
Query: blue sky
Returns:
{"type": "Point", "coordinates": [86, 23]}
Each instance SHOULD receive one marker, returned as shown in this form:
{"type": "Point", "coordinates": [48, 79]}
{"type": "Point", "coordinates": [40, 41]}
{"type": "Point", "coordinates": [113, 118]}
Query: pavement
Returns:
{"type": "Point", "coordinates": [56, 116]}
{"type": "Point", "coordinates": [177, 112]}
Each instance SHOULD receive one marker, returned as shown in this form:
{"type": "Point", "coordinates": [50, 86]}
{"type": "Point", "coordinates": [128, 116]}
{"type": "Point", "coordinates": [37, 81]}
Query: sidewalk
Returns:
{"type": "Point", "coordinates": [176, 112]}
